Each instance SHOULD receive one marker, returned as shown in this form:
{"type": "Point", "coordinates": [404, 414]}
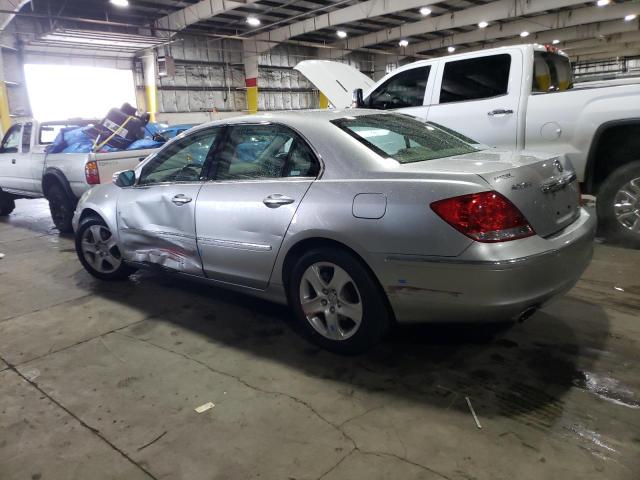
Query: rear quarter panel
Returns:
{"type": "Point", "coordinates": [566, 122]}
{"type": "Point", "coordinates": [408, 225]}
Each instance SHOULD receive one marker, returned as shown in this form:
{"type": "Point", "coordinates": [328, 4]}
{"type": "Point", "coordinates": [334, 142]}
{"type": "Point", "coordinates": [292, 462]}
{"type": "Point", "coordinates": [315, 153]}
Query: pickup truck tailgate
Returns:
{"type": "Point", "coordinates": [110, 163]}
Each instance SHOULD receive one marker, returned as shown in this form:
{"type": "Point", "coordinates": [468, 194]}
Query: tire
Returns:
{"type": "Point", "coordinates": [7, 204]}
{"type": "Point", "coordinates": [361, 292]}
{"type": "Point", "coordinates": [98, 256]}
{"type": "Point", "coordinates": [61, 207]}
{"type": "Point", "coordinates": [621, 223]}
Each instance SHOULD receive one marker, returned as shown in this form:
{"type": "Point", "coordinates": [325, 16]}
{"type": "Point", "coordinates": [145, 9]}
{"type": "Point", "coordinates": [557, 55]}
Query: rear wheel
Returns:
{"type": "Point", "coordinates": [62, 208]}
{"type": "Point", "coordinates": [7, 204]}
{"type": "Point", "coordinates": [618, 204]}
{"type": "Point", "coordinates": [98, 251]}
{"type": "Point", "coordinates": [337, 301]}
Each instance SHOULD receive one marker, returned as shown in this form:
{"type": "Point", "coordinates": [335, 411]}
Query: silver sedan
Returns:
{"type": "Point", "coordinates": [356, 219]}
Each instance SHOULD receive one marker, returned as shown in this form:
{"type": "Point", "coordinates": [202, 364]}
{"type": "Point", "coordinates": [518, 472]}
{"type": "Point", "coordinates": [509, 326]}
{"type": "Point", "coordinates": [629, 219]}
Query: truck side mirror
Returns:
{"type": "Point", "coordinates": [358, 98]}
{"type": "Point", "coordinates": [126, 178]}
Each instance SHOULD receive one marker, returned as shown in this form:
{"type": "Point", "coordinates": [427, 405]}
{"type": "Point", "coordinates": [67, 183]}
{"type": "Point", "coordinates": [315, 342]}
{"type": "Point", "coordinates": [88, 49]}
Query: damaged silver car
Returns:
{"type": "Point", "coordinates": [356, 219]}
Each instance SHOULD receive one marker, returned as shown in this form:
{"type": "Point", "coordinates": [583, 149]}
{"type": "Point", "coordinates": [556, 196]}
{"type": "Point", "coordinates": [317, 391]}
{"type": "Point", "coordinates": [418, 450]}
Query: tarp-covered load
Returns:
{"type": "Point", "coordinates": [121, 129]}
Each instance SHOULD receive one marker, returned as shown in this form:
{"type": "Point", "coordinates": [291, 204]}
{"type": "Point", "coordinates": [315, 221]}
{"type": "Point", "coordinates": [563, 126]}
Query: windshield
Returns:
{"type": "Point", "coordinates": [406, 139]}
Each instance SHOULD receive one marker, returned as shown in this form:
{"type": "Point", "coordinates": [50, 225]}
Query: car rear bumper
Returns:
{"type": "Point", "coordinates": [488, 282]}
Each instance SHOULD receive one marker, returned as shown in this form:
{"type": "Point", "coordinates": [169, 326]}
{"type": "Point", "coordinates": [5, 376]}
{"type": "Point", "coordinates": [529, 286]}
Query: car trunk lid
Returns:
{"type": "Point", "coordinates": [542, 186]}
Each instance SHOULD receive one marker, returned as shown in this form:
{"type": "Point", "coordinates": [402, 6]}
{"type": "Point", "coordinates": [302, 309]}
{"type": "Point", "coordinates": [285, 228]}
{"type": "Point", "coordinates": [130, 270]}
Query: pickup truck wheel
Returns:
{"type": "Point", "coordinates": [7, 204]}
{"type": "Point", "coordinates": [337, 301]}
{"type": "Point", "coordinates": [62, 208]}
{"type": "Point", "coordinates": [618, 204]}
{"type": "Point", "coordinates": [98, 251]}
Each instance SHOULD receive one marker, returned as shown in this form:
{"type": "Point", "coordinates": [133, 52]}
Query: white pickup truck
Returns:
{"type": "Point", "coordinates": [27, 171]}
{"type": "Point", "coordinates": [517, 97]}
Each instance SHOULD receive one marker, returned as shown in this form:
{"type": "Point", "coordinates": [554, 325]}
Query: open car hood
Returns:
{"type": "Point", "coordinates": [336, 80]}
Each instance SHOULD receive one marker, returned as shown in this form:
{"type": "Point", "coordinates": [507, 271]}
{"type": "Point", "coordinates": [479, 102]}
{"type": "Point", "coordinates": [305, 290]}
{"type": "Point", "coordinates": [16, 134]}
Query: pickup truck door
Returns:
{"type": "Point", "coordinates": [15, 159]}
{"type": "Point", "coordinates": [258, 180]}
{"type": "Point", "coordinates": [156, 217]}
{"type": "Point", "coordinates": [479, 96]}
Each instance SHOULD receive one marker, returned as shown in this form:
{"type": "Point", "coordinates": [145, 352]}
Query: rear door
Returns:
{"type": "Point", "coordinates": [156, 217]}
{"type": "Point", "coordinates": [258, 180]}
{"type": "Point", "coordinates": [479, 97]}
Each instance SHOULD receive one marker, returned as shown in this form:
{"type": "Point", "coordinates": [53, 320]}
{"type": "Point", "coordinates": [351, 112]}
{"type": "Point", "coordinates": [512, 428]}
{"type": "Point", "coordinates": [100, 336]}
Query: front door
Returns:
{"type": "Point", "coordinates": [479, 97]}
{"type": "Point", "coordinates": [16, 163]}
{"type": "Point", "coordinates": [156, 217]}
{"type": "Point", "coordinates": [258, 180]}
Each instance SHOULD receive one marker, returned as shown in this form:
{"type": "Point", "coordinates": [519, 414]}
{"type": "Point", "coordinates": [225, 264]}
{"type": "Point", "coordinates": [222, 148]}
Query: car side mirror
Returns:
{"type": "Point", "coordinates": [126, 178]}
{"type": "Point", "coordinates": [358, 98]}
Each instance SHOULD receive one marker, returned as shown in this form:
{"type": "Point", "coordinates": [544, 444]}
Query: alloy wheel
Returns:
{"type": "Point", "coordinates": [99, 249]}
{"type": "Point", "coordinates": [626, 205]}
{"type": "Point", "coordinates": [331, 301]}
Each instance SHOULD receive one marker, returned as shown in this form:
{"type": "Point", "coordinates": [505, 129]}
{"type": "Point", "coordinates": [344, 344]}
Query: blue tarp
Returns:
{"type": "Point", "coordinates": [75, 140]}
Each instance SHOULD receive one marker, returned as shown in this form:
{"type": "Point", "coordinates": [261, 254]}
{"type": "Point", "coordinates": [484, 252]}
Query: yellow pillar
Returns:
{"type": "Point", "coordinates": [5, 113]}
{"type": "Point", "coordinates": [252, 94]}
{"type": "Point", "coordinates": [324, 101]}
{"type": "Point", "coordinates": [250, 60]}
{"type": "Point", "coordinates": [150, 87]}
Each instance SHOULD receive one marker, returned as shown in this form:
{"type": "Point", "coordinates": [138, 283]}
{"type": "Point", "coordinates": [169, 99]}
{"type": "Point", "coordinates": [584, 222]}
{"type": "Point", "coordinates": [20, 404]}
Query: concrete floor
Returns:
{"type": "Point", "coordinates": [101, 380]}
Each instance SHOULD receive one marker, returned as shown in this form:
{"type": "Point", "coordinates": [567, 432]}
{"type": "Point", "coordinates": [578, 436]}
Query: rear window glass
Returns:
{"type": "Point", "coordinates": [404, 138]}
{"type": "Point", "coordinates": [551, 73]}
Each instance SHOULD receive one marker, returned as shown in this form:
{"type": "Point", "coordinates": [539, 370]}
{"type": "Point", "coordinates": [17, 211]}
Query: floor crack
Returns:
{"type": "Point", "coordinates": [249, 385]}
{"type": "Point", "coordinates": [93, 430]}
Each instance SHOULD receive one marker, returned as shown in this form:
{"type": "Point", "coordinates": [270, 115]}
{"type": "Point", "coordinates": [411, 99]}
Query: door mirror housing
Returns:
{"type": "Point", "coordinates": [126, 178]}
{"type": "Point", "coordinates": [358, 98]}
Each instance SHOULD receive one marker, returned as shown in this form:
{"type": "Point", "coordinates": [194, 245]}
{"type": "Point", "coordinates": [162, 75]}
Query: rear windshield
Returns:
{"type": "Point", "coordinates": [406, 139]}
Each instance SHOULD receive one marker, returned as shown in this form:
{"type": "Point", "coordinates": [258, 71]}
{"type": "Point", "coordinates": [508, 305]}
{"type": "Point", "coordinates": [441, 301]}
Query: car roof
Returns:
{"type": "Point", "coordinates": [296, 117]}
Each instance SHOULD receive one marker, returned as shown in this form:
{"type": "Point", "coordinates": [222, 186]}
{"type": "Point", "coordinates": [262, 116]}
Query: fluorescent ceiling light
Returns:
{"type": "Point", "coordinates": [524, 34]}
{"type": "Point", "coordinates": [602, 3]}
{"type": "Point", "coordinates": [253, 21]}
{"type": "Point", "coordinates": [424, 11]}
{"type": "Point", "coordinates": [483, 24]}
{"type": "Point", "coordinates": [120, 3]}
{"type": "Point", "coordinates": [341, 34]}
{"type": "Point", "coordinates": [451, 49]}
{"type": "Point", "coordinates": [556, 41]}
{"type": "Point", "coordinates": [631, 16]}
{"type": "Point", "coordinates": [403, 43]}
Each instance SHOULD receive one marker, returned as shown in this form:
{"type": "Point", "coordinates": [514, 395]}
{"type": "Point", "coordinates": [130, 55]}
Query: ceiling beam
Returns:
{"type": "Point", "coordinates": [540, 23]}
{"type": "Point", "coordinates": [13, 5]}
{"type": "Point", "coordinates": [585, 32]}
{"type": "Point", "coordinates": [611, 49]}
{"type": "Point", "coordinates": [491, 12]}
{"type": "Point", "coordinates": [354, 13]}
{"type": "Point", "coordinates": [198, 12]}
{"type": "Point", "coordinates": [586, 56]}
{"type": "Point", "coordinates": [617, 39]}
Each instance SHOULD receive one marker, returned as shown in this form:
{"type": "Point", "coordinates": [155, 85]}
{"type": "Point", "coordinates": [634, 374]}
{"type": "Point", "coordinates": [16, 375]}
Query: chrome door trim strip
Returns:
{"type": "Point", "coordinates": [158, 233]}
{"type": "Point", "coordinates": [217, 242]}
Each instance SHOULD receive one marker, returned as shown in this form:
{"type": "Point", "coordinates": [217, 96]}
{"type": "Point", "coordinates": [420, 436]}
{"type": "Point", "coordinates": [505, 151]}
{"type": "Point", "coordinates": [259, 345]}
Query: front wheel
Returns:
{"type": "Point", "coordinates": [618, 204]}
{"type": "Point", "coordinates": [62, 208]}
{"type": "Point", "coordinates": [337, 301]}
{"type": "Point", "coordinates": [98, 251]}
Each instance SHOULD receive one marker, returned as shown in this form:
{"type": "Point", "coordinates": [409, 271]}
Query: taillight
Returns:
{"type": "Point", "coordinates": [91, 173]}
{"type": "Point", "coordinates": [485, 217]}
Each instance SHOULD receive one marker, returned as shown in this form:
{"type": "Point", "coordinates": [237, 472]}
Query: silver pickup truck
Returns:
{"type": "Point", "coordinates": [27, 171]}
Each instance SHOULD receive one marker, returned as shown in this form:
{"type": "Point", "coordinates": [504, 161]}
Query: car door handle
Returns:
{"type": "Point", "coordinates": [181, 199]}
{"type": "Point", "coordinates": [13, 161]}
{"type": "Point", "coordinates": [277, 200]}
{"type": "Point", "coordinates": [500, 111]}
